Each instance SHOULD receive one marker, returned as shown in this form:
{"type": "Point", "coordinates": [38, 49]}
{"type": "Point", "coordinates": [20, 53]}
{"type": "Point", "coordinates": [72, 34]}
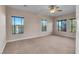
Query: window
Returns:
{"type": "Point", "coordinates": [72, 25]}
{"type": "Point", "coordinates": [17, 25]}
{"type": "Point", "coordinates": [44, 25]}
{"type": "Point", "coordinates": [61, 25]}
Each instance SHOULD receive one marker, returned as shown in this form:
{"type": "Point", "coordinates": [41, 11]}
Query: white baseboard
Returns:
{"type": "Point", "coordinates": [27, 38]}
{"type": "Point", "coordinates": [2, 49]}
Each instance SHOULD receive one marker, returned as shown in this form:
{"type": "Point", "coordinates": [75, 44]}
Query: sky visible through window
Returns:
{"type": "Point", "coordinates": [17, 21]}
{"type": "Point", "coordinates": [44, 22]}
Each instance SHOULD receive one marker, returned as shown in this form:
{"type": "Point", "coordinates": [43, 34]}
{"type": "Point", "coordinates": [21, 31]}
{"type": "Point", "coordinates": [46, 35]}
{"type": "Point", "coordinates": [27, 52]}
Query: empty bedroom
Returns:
{"type": "Point", "coordinates": [39, 29]}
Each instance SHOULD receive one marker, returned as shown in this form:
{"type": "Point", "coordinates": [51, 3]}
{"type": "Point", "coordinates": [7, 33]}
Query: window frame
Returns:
{"type": "Point", "coordinates": [43, 25]}
{"type": "Point", "coordinates": [14, 26]}
{"type": "Point", "coordinates": [71, 25]}
{"type": "Point", "coordinates": [58, 27]}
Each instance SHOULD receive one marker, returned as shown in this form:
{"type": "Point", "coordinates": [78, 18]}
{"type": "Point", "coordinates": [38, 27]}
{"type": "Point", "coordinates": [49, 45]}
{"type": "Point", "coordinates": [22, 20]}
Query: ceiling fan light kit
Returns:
{"type": "Point", "coordinates": [53, 9]}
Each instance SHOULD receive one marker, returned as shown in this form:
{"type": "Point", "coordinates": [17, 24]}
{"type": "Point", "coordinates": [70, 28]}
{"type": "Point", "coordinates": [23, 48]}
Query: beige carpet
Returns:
{"type": "Point", "coordinates": [43, 45]}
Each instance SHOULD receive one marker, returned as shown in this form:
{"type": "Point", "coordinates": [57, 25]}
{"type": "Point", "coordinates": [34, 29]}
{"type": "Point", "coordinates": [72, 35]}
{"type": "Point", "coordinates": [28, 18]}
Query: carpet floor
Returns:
{"type": "Point", "coordinates": [50, 44]}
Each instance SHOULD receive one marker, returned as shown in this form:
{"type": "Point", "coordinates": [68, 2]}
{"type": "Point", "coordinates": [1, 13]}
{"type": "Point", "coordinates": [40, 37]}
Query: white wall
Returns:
{"type": "Point", "coordinates": [67, 33]}
{"type": "Point", "coordinates": [32, 24]}
{"type": "Point", "coordinates": [77, 33]}
{"type": "Point", "coordinates": [2, 28]}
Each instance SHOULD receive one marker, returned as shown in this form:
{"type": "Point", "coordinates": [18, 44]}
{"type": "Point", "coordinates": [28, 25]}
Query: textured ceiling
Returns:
{"type": "Point", "coordinates": [43, 9]}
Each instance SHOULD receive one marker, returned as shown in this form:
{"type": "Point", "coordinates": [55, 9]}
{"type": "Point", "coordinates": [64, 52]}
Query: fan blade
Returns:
{"type": "Point", "coordinates": [59, 10]}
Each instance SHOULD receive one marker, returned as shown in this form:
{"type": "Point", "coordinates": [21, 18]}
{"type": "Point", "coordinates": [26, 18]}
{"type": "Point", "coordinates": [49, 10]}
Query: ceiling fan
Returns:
{"type": "Point", "coordinates": [54, 9]}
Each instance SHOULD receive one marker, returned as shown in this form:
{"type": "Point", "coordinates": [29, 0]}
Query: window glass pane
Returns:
{"type": "Point", "coordinates": [61, 25]}
{"type": "Point", "coordinates": [72, 25]}
{"type": "Point", "coordinates": [22, 21]}
{"type": "Point", "coordinates": [17, 21]}
{"type": "Point", "coordinates": [44, 25]}
{"type": "Point", "coordinates": [17, 25]}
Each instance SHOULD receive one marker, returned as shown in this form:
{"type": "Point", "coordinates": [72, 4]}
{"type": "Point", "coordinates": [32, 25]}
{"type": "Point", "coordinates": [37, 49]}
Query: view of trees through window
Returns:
{"type": "Point", "coordinates": [17, 25]}
{"type": "Point", "coordinates": [44, 25]}
{"type": "Point", "coordinates": [72, 25]}
{"type": "Point", "coordinates": [62, 25]}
